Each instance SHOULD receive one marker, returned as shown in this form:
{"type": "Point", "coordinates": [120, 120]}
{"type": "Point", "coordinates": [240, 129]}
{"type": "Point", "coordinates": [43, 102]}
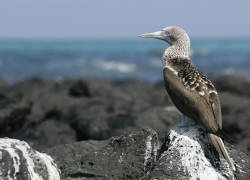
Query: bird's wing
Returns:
{"type": "Point", "coordinates": [195, 96]}
{"type": "Point", "coordinates": [211, 97]}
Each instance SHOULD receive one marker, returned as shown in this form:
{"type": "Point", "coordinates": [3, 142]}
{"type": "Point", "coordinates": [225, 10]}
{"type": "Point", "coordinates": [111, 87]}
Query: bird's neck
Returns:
{"type": "Point", "coordinates": [179, 49]}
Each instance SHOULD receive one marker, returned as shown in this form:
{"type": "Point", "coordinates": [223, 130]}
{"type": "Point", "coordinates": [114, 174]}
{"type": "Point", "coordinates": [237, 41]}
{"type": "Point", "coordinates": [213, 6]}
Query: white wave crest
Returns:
{"type": "Point", "coordinates": [115, 66]}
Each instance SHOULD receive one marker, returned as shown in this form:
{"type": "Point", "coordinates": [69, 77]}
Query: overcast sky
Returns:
{"type": "Point", "coordinates": [122, 18]}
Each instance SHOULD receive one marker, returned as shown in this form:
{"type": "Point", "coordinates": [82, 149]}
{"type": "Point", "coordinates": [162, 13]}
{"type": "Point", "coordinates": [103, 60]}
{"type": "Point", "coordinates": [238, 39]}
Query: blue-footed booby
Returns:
{"type": "Point", "coordinates": [189, 89]}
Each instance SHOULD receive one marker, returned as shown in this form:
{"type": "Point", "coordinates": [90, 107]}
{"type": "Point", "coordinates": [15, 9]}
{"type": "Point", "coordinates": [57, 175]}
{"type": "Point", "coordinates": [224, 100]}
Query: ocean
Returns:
{"type": "Point", "coordinates": [114, 59]}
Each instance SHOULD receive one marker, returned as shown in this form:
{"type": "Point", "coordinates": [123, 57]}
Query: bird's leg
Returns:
{"type": "Point", "coordinates": [183, 123]}
{"type": "Point", "coordinates": [182, 120]}
{"type": "Point", "coordinates": [189, 123]}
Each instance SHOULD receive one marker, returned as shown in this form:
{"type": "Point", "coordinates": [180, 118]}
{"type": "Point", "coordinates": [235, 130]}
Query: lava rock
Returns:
{"type": "Point", "coordinates": [49, 133]}
{"type": "Point", "coordinates": [94, 109]}
{"type": "Point", "coordinates": [236, 118]}
{"type": "Point", "coordinates": [68, 156]}
{"type": "Point", "coordinates": [89, 88]}
{"type": "Point", "coordinates": [79, 89]}
{"type": "Point", "coordinates": [13, 114]}
{"type": "Point", "coordinates": [238, 85]}
{"type": "Point", "coordinates": [187, 153]}
{"type": "Point", "coordinates": [161, 119]}
{"type": "Point", "coordinates": [19, 161]}
{"type": "Point", "coordinates": [124, 157]}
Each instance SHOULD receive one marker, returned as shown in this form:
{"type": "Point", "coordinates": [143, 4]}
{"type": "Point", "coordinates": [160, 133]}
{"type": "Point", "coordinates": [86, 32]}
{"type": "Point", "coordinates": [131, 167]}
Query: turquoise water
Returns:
{"type": "Point", "coordinates": [114, 59]}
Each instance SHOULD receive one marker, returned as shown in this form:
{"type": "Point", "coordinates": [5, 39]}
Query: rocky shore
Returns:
{"type": "Point", "coordinates": [70, 120]}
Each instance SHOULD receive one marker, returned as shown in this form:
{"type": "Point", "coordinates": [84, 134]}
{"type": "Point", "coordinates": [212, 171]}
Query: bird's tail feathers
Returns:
{"type": "Point", "coordinates": [219, 146]}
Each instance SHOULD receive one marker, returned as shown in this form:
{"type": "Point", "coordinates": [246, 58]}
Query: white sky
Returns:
{"type": "Point", "coordinates": [122, 18]}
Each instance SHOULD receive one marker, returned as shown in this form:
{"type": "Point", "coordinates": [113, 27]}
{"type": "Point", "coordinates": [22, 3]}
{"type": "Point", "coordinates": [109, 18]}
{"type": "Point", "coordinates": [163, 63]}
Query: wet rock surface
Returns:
{"type": "Point", "coordinates": [85, 113]}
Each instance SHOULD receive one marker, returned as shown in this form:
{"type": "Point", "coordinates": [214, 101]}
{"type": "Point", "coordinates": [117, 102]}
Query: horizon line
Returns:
{"type": "Point", "coordinates": [120, 38]}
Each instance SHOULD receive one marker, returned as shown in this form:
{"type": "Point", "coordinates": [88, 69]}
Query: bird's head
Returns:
{"type": "Point", "coordinates": [171, 34]}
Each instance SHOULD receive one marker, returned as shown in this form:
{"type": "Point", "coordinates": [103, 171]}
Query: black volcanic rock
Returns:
{"type": "Point", "coordinates": [236, 118]}
{"type": "Point", "coordinates": [138, 154]}
{"type": "Point", "coordinates": [159, 119]}
{"type": "Point", "coordinates": [49, 113]}
{"type": "Point", "coordinates": [124, 157]}
{"type": "Point", "coordinates": [233, 84]}
{"type": "Point", "coordinates": [47, 134]}
{"type": "Point", "coordinates": [95, 109]}
{"type": "Point", "coordinates": [90, 88]}
{"type": "Point", "coordinates": [13, 113]}
{"type": "Point", "coordinates": [79, 89]}
{"type": "Point", "coordinates": [68, 156]}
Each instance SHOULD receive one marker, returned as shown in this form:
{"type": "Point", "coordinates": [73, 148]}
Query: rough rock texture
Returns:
{"type": "Point", "coordinates": [19, 161]}
{"type": "Point", "coordinates": [124, 157]}
{"type": "Point", "coordinates": [81, 110]}
{"type": "Point", "coordinates": [49, 114]}
{"type": "Point", "coordinates": [92, 109]}
{"type": "Point", "coordinates": [186, 154]}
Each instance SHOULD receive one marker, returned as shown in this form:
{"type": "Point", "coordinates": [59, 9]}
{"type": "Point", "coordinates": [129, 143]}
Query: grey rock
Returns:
{"type": "Point", "coordinates": [236, 118]}
{"type": "Point", "coordinates": [19, 161]}
{"type": "Point", "coordinates": [188, 154]}
{"type": "Point", "coordinates": [14, 112]}
{"type": "Point", "coordinates": [161, 119]}
{"type": "Point", "coordinates": [124, 157]}
{"type": "Point", "coordinates": [233, 84]}
{"type": "Point", "coordinates": [68, 156]}
{"type": "Point", "coordinates": [94, 109]}
{"type": "Point", "coordinates": [47, 134]}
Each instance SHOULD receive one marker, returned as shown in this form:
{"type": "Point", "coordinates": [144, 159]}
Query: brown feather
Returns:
{"type": "Point", "coordinates": [196, 97]}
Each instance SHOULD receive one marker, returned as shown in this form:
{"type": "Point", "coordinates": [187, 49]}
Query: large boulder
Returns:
{"type": "Point", "coordinates": [124, 157]}
{"type": "Point", "coordinates": [138, 154]}
{"type": "Point", "coordinates": [188, 154]}
{"type": "Point", "coordinates": [19, 161]}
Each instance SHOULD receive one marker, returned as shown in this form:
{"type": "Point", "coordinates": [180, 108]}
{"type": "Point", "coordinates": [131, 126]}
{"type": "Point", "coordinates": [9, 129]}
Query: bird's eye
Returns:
{"type": "Point", "coordinates": [166, 33]}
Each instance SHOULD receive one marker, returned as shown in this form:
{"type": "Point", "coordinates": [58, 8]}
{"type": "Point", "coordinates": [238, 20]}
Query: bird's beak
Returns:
{"type": "Point", "coordinates": [157, 34]}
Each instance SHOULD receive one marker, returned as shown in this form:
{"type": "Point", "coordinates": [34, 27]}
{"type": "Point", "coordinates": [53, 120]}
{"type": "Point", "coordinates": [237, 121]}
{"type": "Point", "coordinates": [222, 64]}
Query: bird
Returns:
{"type": "Point", "coordinates": [189, 89]}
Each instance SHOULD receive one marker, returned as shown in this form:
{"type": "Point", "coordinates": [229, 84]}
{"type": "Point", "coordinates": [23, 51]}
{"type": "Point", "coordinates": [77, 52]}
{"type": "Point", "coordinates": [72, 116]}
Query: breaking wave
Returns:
{"type": "Point", "coordinates": [115, 66]}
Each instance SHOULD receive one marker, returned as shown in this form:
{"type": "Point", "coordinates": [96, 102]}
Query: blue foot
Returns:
{"type": "Point", "coordinates": [187, 124]}
{"type": "Point", "coordinates": [183, 123]}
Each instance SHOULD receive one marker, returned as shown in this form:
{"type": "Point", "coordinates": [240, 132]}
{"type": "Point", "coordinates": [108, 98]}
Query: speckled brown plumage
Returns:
{"type": "Point", "coordinates": [196, 97]}
{"type": "Point", "coordinates": [201, 102]}
{"type": "Point", "coordinates": [191, 76]}
{"type": "Point", "coordinates": [189, 89]}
